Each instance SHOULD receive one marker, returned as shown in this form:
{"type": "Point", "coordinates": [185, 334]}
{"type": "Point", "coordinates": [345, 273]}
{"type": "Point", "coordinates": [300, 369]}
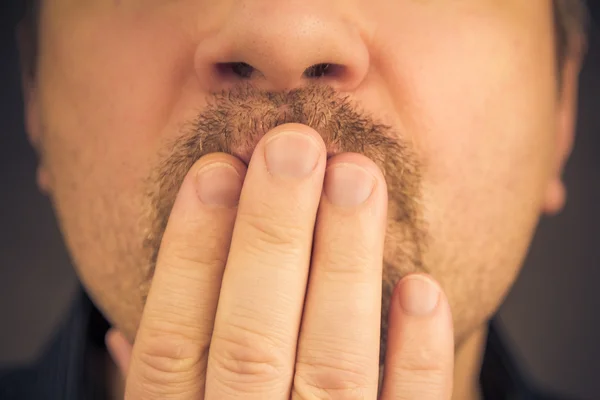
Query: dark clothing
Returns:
{"type": "Point", "coordinates": [66, 369]}
{"type": "Point", "coordinates": [70, 368]}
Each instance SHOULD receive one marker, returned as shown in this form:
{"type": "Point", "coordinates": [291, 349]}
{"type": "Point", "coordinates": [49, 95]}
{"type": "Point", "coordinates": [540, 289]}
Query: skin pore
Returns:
{"type": "Point", "coordinates": [458, 102]}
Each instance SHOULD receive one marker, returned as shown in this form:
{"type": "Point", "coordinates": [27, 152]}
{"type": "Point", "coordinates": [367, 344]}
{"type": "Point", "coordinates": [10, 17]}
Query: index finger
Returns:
{"type": "Point", "coordinates": [170, 351]}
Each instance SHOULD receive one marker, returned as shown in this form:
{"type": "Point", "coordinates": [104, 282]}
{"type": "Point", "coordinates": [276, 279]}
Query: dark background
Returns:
{"type": "Point", "coordinates": [551, 319]}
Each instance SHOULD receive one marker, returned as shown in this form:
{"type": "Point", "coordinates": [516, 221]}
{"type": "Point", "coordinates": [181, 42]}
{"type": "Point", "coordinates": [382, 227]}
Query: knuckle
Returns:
{"type": "Point", "coordinates": [269, 233]}
{"type": "Point", "coordinates": [426, 385]}
{"type": "Point", "coordinates": [197, 264]}
{"type": "Point", "coordinates": [421, 370]}
{"type": "Point", "coordinates": [351, 265]}
{"type": "Point", "coordinates": [170, 360]}
{"type": "Point", "coordinates": [244, 357]}
{"type": "Point", "coordinates": [342, 258]}
{"type": "Point", "coordinates": [332, 379]}
{"type": "Point", "coordinates": [422, 361]}
{"type": "Point", "coordinates": [188, 250]}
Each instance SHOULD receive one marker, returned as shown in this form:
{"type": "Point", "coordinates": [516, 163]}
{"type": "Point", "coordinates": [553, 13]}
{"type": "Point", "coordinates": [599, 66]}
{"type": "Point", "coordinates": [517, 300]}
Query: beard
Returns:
{"type": "Point", "coordinates": [235, 120]}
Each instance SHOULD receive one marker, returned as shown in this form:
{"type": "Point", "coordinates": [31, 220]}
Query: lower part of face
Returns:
{"type": "Point", "coordinates": [454, 100]}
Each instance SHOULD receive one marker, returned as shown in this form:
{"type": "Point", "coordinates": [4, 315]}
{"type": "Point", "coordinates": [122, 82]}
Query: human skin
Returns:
{"type": "Point", "coordinates": [258, 325]}
{"type": "Point", "coordinates": [471, 89]}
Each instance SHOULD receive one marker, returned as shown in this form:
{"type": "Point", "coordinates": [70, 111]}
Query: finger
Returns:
{"type": "Point", "coordinates": [256, 328]}
{"type": "Point", "coordinates": [338, 348]}
{"type": "Point", "coordinates": [170, 351]}
{"type": "Point", "coordinates": [420, 350]}
{"type": "Point", "coordinates": [119, 350]}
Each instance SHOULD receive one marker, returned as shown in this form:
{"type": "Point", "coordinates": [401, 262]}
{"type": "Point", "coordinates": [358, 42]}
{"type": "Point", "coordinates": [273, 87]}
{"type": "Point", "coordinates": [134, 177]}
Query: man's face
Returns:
{"type": "Point", "coordinates": [457, 101]}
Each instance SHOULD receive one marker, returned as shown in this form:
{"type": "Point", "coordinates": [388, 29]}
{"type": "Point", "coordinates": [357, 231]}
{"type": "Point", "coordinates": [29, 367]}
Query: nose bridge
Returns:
{"type": "Point", "coordinates": [281, 40]}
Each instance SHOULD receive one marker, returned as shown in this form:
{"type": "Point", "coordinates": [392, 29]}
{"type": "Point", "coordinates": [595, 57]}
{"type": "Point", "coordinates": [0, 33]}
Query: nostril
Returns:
{"type": "Point", "coordinates": [240, 69]}
{"type": "Point", "coordinates": [323, 70]}
{"type": "Point", "coordinates": [231, 73]}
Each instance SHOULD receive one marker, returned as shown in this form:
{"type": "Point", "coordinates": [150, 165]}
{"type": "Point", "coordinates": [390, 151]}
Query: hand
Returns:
{"type": "Point", "coordinates": [233, 311]}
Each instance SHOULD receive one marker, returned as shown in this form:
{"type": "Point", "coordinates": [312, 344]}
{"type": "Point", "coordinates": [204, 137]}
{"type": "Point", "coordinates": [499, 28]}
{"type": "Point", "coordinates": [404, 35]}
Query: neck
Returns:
{"type": "Point", "coordinates": [467, 366]}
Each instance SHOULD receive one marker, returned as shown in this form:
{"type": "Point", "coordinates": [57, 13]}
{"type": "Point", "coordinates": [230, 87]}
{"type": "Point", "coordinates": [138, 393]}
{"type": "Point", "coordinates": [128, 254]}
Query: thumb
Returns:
{"type": "Point", "coordinates": [119, 349]}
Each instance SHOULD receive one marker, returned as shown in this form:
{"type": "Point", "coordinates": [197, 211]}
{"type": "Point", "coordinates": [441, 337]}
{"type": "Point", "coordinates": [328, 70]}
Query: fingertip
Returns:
{"type": "Point", "coordinates": [291, 152]}
{"type": "Point", "coordinates": [111, 338]}
{"type": "Point", "coordinates": [420, 315]}
{"type": "Point", "coordinates": [297, 128]}
{"type": "Point", "coordinates": [418, 295]}
{"type": "Point", "coordinates": [216, 158]}
{"type": "Point", "coordinates": [217, 179]}
{"type": "Point", "coordinates": [377, 186]}
{"type": "Point", "coordinates": [555, 199]}
{"type": "Point", "coordinates": [358, 159]}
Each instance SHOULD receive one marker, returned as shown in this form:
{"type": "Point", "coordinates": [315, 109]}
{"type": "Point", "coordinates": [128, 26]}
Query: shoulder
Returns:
{"type": "Point", "coordinates": [502, 378]}
{"type": "Point", "coordinates": [57, 374]}
{"type": "Point", "coordinates": [17, 384]}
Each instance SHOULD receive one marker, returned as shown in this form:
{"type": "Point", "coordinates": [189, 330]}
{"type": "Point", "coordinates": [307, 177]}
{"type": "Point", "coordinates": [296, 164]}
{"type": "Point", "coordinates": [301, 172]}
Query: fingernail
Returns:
{"type": "Point", "coordinates": [218, 184]}
{"type": "Point", "coordinates": [291, 154]}
{"type": "Point", "coordinates": [348, 185]}
{"type": "Point", "coordinates": [418, 296]}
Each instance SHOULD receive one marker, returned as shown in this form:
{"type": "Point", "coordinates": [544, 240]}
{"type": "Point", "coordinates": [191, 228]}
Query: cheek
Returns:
{"type": "Point", "coordinates": [113, 83]}
{"type": "Point", "coordinates": [111, 91]}
{"type": "Point", "coordinates": [479, 103]}
{"type": "Point", "coordinates": [113, 87]}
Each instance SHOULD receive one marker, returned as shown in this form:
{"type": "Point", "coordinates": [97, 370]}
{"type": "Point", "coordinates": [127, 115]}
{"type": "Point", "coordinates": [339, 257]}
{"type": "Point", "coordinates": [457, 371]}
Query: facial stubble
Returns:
{"type": "Point", "coordinates": [237, 118]}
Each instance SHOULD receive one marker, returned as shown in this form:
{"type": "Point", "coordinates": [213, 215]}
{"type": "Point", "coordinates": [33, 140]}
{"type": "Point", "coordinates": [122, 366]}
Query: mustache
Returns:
{"type": "Point", "coordinates": [234, 121]}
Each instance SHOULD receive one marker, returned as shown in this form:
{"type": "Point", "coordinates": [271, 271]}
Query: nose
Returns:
{"type": "Point", "coordinates": [281, 45]}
